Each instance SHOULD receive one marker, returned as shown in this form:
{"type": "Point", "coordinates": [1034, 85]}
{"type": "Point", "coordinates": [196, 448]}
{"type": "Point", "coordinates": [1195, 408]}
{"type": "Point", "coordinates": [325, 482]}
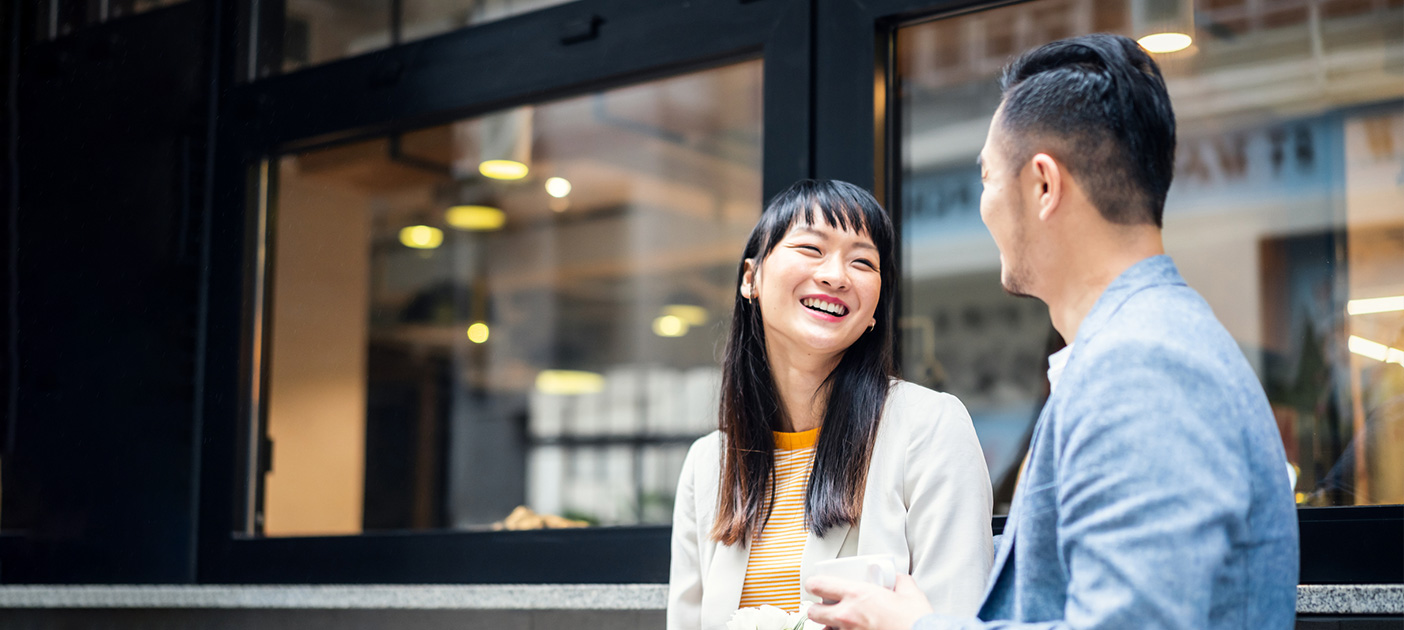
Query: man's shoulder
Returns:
{"type": "Point", "coordinates": [1170, 323]}
{"type": "Point", "coordinates": [1163, 352]}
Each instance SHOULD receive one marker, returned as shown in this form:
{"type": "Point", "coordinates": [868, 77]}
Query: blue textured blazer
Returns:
{"type": "Point", "coordinates": [1156, 493]}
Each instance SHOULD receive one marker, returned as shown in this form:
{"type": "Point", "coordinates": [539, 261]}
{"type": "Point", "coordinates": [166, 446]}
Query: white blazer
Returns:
{"type": "Point", "coordinates": [927, 501]}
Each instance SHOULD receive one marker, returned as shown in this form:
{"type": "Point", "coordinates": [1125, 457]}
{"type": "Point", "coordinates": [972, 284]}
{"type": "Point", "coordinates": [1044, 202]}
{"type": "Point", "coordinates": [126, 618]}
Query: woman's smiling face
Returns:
{"type": "Point", "coordinates": [817, 289]}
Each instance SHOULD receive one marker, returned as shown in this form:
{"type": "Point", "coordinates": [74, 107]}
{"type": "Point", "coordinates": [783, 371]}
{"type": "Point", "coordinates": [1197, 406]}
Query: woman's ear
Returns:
{"type": "Point", "coordinates": [748, 280]}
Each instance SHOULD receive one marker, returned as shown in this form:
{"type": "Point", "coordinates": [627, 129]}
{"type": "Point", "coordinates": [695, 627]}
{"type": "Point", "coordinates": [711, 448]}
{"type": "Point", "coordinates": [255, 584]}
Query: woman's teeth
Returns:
{"type": "Point", "coordinates": [827, 307]}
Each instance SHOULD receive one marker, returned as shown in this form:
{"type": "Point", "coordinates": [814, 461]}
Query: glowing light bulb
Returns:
{"type": "Point", "coordinates": [503, 169]}
{"type": "Point", "coordinates": [1375, 305]}
{"type": "Point", "coordinates": [475, 218]}
{"type": "Point", "coordinates": [1366, 348]}
{"type": "Point", "coordinates": [669, 326]}
{"type": "Point", "coordinates": [478, 332]}
{"type": "Point", "coordinates": [1165, 42]}
{"type": "Point", "coordinates": [421, 237]}
{"type": "Point", "coordinates": [558, 187]}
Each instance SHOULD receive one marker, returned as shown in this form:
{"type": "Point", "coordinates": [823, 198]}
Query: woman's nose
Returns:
{"type": "Point", "coordinates": [832, 273]}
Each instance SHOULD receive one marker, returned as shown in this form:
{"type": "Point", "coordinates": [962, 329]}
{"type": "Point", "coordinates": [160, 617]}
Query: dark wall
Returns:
{"type": "Point", "coordinates": [99, 480]}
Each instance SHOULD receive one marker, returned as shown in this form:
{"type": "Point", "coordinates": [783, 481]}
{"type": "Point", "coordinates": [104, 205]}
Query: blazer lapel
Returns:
{"type": "Point", "coordinates": [1006, 539]}
{"type": "Point", "coordinates": [1006, 548]}
{"type": "Point", "coordinates": [817, 549]}
{"type": "Point", "coordinates": [1011, 524]}
{"type": "Point", "coordinates": [721, 592]}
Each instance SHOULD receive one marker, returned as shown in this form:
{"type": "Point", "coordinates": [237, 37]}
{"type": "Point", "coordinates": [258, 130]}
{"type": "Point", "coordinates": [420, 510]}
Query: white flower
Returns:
{"type": "Point", "coordinates": [763, 618]}
{"type": "Point", "coordinates": [772, 618]}
{"type": "Point", "coordinates": [800, 620]}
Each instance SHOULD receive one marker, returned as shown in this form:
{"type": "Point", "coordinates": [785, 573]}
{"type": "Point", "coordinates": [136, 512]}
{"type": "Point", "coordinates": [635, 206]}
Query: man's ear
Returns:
{"type": "Point", "coordinates": [748, 280]}
{"type": "Point", "coordinates": [1049, 184]}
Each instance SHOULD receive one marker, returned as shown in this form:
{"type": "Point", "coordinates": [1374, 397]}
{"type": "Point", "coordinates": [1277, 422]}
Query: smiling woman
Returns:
{"type": "Point", "coordinates": [817, 435]}
{"type": "Point", "coordinates": [822, 283]}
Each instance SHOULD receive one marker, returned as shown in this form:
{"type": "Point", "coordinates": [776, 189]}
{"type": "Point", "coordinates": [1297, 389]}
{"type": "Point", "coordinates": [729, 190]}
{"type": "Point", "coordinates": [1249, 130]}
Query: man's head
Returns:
{"type": "Point", "coordinates": [1085, 119]}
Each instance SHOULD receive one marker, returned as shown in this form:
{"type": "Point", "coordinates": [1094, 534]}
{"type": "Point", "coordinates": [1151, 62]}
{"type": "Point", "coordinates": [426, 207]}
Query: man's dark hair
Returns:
{"type": "Point", "coordinates": [1096, 103]}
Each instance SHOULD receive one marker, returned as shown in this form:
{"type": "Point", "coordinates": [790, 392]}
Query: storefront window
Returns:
{"type": "Point", "coordinates": [509, 321]}
{"type": "Point", "coordinates": [57, 18]}
{"type": "Point", "coordinates": [313, 32]}
{"type": "Point", "coordinates": [1286, 214]}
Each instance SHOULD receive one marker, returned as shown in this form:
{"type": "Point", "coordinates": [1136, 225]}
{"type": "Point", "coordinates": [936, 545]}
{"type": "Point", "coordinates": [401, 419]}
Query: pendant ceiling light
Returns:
{"type": "Point", "coordinates": [469, 205]}
{"type": "Point", "coordinates": [478, 332]}
{"type": "Point", "coordinates": [503, 143]}
{"type": "Point", "coordinates": [475, 218]}
{"type": "Point", "coordinates": [1163, 26]}
{"type": "Point", "coordinates": [421, 237]}
{"type": "Point", "coordinates": [558, 187]}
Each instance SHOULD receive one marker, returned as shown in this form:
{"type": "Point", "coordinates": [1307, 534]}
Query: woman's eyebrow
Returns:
{"type": "Point", "coordinates": [808, 229]}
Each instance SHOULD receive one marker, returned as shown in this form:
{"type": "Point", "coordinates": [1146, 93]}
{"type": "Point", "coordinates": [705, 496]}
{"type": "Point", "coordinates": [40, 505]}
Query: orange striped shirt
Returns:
{"type": "Point", "coordinates": [773, 570]}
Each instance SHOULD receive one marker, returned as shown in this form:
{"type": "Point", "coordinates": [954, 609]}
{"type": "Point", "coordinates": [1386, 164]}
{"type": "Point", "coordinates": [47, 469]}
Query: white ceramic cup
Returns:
{"type": "Point", "coordinates": [878, 568]}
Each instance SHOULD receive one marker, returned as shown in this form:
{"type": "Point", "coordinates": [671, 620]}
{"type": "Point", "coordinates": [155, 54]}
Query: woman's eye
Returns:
{"type": "Point", "coordinates": [868, 263]}
{"type": "Point", "coordinates": [810, 248]}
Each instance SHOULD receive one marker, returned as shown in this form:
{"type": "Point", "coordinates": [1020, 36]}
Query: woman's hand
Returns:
{"type": "Point", "coordinates": [863, 606]}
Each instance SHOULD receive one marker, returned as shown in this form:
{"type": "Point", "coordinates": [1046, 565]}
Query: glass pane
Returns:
{"type": "Point", "coordinates": [57, 18]}
{"type": "Point", "coordinates": [119, 8]}
{"type": "Point", "coordinates": [447, 346]}
{"type": "Point", "coordinates": [315, 32]}
{"type": "Point", "coordinates": [1287, 214]}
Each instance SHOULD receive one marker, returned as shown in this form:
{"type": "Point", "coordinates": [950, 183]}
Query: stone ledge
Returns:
{"type": "Point", "coordinates": [1350, 599]}
{"type": "Point", "coordinates": [1346, 599]}
{"type": "Point", "coordinates": [418, 597]}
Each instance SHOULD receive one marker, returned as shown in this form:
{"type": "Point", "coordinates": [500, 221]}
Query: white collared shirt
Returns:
{"type": "Point", "coordinates": [1056, 362]}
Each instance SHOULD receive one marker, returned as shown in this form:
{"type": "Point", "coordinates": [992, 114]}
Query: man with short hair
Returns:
{"type": "Point", "coordinates": [1155, 493]}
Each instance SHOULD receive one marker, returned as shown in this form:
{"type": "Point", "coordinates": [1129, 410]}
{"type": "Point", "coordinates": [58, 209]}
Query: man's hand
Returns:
{"type": "Point", "coordinates": [863, 606]}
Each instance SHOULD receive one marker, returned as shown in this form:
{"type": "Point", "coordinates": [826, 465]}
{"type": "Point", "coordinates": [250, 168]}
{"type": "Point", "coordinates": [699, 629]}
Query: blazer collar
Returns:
{"type": "Point", "coordinates": [1011, 524]}
{"type": "Point", "coordinates": [1006, 547]}
{"type": "Point", "coordinates": [1156, 270]}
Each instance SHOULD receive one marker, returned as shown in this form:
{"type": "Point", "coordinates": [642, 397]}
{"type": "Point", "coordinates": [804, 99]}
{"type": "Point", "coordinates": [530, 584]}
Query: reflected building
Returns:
{"type": "Point", "coordinates": [1286, 195]}
{"type": "Point", "coordinates": [593, 241]}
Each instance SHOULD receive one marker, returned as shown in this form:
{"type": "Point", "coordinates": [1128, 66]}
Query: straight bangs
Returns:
{"type": "Point", "coordinates": [856, 390]}
{"type": "Point", "coordinates": [846, 207]}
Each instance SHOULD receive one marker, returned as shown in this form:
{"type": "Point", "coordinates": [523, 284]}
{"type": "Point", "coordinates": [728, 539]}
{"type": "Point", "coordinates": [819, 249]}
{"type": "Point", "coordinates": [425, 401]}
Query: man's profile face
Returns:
{"type": "Point", "coordinates": [1002, 208]}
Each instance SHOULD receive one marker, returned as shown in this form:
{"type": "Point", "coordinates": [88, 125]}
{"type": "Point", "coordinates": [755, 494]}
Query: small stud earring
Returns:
{"type": "Point", "coordinates": [872, 326]}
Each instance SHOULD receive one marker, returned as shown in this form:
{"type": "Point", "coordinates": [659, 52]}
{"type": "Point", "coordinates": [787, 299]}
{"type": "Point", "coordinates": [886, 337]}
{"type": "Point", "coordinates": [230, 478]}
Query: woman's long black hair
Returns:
{"type": "Point", "coordinates": [856, 389]}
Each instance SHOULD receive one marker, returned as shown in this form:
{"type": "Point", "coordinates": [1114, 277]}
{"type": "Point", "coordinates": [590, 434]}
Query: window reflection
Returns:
{"type": "Point", "coordinates": [315, 32]}
{"type": "Point", "coordinates": [1287, 207]}
{"type": "Point", "coordinates": [57, 18]}
{"type": "Point", "coordinates": [451, 342]}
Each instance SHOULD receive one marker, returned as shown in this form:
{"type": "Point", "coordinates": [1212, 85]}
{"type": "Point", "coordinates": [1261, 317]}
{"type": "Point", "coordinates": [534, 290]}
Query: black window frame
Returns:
{"type": "Point", "coordinates": [560, 51]}
{"type": "Point", "coordinates": [828, 87]}
{"type": "Point", "coordinates": [855, 70]}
